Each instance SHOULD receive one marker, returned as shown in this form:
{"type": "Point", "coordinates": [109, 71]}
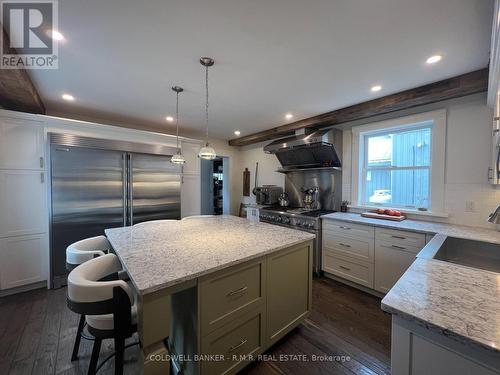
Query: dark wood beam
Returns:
{"type": "Point", "coordinates": [465, 84]}
{"type": "Point", "coordinates": [17, 92]}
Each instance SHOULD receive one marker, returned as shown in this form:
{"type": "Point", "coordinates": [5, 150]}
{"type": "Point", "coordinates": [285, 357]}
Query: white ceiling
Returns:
{"type": "Point", "coordinates": [121, 57]}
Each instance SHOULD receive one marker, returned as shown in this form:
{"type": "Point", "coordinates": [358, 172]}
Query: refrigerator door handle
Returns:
{"type": "Point", "coordinates": [130, 184]}
{"type": "Point", "coordinates": [125, 188]}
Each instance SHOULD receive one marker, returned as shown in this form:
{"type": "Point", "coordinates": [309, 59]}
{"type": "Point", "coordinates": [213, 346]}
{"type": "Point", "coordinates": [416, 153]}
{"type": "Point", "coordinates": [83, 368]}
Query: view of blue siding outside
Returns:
{"type": "Point", "coordinates": [398, 168]}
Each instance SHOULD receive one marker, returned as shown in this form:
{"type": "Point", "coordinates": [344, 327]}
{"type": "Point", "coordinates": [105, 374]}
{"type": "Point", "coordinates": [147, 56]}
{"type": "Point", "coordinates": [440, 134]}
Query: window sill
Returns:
{"type": "Point", "coordinates": [409, 212]}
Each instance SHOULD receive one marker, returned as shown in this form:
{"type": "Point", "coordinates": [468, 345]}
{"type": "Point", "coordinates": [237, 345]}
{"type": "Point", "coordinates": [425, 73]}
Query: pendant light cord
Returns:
{"type": "Point", "coordinates": [206, 103]}
{"type": "Point", "coordinates": [177, 119]}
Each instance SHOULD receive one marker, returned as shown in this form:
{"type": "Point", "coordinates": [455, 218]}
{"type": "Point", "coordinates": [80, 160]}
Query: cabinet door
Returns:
{"type": "Point", "coordinates": [390, 264]}
{"type": "Point", "coordinates": [21, 144]}
{"type": "Point", "coordinates": [22, 203]}
{"type": "Point", "coordinates": [24, 260]}
{"type": "Point", "coordinates": [190, 195]}
{"type": "Point", "coordinates": [289, 278]}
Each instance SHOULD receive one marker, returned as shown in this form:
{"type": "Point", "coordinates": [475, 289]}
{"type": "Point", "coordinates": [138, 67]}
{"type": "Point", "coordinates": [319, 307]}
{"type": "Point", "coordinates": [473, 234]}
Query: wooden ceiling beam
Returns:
{"type": "Point", "coordinates": [17, 92]}
{"type": "Point", "coordinates": [465, 84]}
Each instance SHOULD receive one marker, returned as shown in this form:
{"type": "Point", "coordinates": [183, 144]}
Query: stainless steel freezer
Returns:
{"type": "Point", "coordinates": [98, 184]}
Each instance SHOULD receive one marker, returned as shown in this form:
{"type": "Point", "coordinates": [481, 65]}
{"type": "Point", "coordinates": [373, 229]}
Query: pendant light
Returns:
{"type": "Point", "coordinates": [178, 158]}
{"type": "Point", "coordinates": [207, 152]}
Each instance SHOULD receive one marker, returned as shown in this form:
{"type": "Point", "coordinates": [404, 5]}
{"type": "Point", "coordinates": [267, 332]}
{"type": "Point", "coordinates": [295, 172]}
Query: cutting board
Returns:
{"type": "Point", "coordinates": [374, 215]}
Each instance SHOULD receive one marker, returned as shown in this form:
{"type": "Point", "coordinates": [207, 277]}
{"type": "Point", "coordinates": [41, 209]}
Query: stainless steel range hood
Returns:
{"type": "Point", "coordinates": [316, 150]}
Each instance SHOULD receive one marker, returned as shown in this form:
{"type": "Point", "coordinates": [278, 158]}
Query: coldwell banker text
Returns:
{"type": "Point", "coordinates": [28, 42]}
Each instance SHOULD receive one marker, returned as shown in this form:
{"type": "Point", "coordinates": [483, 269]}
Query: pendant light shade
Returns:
{"type": "Point", "coordinates": [178, 158]}
{"type": "Point", "coordinates": [207, 152]}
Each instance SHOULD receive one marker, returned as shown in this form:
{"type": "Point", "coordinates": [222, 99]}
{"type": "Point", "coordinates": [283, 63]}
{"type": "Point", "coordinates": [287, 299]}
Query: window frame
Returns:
{"type": "Point", "coordinates": [436, 120]}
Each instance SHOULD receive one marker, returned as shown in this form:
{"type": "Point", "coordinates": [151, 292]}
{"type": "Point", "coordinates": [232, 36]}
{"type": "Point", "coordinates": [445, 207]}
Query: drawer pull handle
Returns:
{"type": "Point", "coordinates": [234, 347]}
{"type": "Point", "coordinates": [237, 291]}
{"type": "Point", "coordinates": [399, 237]}
{"type": "Point", "coordinates": [398, 247]}
{"type": "Point", "coordinates": [342, 227]}
{"type": "Point", "coordinates": [345, 268]}
{"type": "Point", "coordinates": [343, 244]}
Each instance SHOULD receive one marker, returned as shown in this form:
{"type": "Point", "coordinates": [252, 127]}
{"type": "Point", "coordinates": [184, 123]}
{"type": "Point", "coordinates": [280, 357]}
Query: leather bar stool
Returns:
{"type": "Point", "coordinates": [76, 254]}
{"type": "Point", "coordinates": [108, 303]}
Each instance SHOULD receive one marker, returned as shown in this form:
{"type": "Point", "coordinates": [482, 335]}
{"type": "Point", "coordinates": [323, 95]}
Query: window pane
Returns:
{"type": "Point", "coordinates": [398, 188]}
{"type": "Point", "coordinates": [400, 149]}
{"type": "Point", "coordinates": [412, 148]}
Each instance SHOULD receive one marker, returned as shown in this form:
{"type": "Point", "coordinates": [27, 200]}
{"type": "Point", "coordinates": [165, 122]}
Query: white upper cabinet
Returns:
{"type": "Point", "coordinates": [21, 144]}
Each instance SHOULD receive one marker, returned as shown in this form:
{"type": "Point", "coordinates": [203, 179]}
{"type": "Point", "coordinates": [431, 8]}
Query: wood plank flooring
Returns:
{"type": "Point", "coordinates": [37, 332]}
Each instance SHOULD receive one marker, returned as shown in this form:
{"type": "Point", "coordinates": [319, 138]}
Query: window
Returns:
{"type": "Point", "coordinates": [397, 167]}
{"type": "Point", "coordinates": [400, 163]}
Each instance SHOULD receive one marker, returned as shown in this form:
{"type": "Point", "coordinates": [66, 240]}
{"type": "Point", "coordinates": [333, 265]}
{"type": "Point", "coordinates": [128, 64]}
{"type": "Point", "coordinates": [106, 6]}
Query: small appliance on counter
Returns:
{"type": "Point", "coordinates": [267, 194]}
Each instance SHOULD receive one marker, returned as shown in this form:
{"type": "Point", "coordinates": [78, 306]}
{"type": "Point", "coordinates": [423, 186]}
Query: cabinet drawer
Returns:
{"type": "Point", "coordinates": [240, 338]}
{"type": "Point", "coordinates": [348, 229]}
{"type": "Point", "coordinates": [357, 248]}
{"type": "Point", "coordinates": [400, 237]}
{"type": "Point", "coordinates": [396, 246]}
{"type": "Point", "coordinates": [230, 292]}
{"type": "Point", "coordinates": [348, 268]}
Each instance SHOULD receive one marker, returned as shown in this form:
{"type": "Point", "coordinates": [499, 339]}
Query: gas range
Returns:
{"type": "Point", "coordinates": [301, 219]}
{"type": "Point", "coordinates": [294, 217]}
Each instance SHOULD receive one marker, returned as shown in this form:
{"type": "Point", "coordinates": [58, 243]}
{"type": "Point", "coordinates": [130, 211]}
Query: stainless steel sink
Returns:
{"type": "Point", "coordinates": [470, 253]}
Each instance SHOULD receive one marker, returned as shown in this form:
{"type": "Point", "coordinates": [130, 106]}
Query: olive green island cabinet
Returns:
{"type": "Point", "coordinates": [214, 293]}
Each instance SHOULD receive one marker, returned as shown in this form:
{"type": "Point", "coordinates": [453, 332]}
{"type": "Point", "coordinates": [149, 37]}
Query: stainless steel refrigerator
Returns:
{"type": "Point", "coordinates": [98, 184]}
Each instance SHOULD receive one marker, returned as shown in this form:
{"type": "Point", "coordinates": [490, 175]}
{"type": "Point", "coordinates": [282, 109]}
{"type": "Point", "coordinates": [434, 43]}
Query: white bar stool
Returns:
{"type": "Point", "coordinates": [76, 254]}
{"type": "Point", "coordinates": [108, 303]}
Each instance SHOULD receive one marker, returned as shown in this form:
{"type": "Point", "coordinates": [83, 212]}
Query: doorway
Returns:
{"type": "Point", "coordinates": [215, 186]}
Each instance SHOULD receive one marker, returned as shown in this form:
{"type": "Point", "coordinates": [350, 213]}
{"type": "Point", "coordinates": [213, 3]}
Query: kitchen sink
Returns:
{"type": "Point", "coordinates": [470, 253]}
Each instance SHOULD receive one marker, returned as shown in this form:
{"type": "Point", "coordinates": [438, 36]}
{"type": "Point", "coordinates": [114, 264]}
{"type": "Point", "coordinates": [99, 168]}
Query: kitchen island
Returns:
{"type": "Point", "coordinates": [214, 292]}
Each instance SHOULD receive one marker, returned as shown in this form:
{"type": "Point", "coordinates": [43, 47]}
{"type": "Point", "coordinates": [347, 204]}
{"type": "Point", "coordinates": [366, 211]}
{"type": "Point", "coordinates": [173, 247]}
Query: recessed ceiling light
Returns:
{"type": "Point", "coordinates": [376, 88]}
{"type": "Point", "coordinates": [434, 59]}
{"type": "Point", "coordinates": [237, 132]}
{"type": "Point", "coordinates": [56, 35]}
{"type": "Point", "coordinates": [169, 118]}
{"type": "Point", "coordinates": [288, 116]}
{"type": "Point", "coordinates": [68, 97]}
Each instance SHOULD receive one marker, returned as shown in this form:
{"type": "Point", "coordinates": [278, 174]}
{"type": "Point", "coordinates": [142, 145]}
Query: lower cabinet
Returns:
{"type": "Point", "coordinates": [245, 309]}
{"type": "Point", "coordinates": [289, 286]}
{"type": "Point", "coordinates": [390, 264]}
{"type": "Point", "coordinates": [417, 350]}
{"type": "Point", "coordinates": [235, 344]}
{"type": "Point", "coordinates": [348, 268]}
{"type": "Point", "coordinates": [371, 257]}
{"type": "Point", "coordinates": [24, 260]}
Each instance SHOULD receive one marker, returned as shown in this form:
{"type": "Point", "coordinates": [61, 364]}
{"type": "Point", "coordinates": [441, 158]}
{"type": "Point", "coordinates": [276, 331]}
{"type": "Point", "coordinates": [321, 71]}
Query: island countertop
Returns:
{"type": "Point", "coordinates": [160, 255]}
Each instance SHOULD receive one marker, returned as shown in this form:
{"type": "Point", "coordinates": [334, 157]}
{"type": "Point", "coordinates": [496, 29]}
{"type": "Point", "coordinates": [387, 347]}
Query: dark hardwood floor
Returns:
{"type": "Point", "coordinates": [37, 332]}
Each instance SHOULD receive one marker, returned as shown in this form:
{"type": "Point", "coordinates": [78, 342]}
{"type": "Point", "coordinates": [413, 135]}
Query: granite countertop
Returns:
{"type": "Point", "coordinates": [160, 255]}
{"type": "Point", "coordinates": [452, 230]}
{"type": "Point", "coordinates": [460, 302]}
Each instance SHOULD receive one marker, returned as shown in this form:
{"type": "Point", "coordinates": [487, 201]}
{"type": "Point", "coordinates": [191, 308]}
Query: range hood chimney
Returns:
{"type": "Point", "coordinates": [316, 150]}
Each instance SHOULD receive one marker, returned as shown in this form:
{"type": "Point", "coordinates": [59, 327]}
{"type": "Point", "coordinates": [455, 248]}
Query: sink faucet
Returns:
{"type": "Point", "coordinates": [495, 216]}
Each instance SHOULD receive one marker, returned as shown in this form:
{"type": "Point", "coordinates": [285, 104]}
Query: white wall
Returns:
{"type": "Point", "coordinates": [267, 175]}
{"type": "Point", "coordinates": [468, 142]}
